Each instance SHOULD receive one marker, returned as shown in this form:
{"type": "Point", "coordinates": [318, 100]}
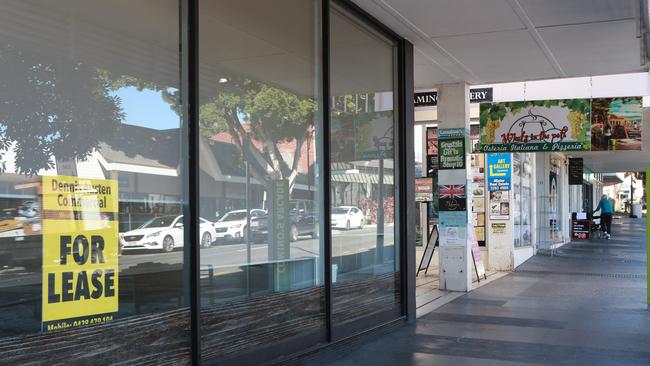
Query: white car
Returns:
{"type": "Point", "coordinates": [347, 217]}
{"type": "Point", "coordinates": [163, 233]}
{"type": "Point", "coordinates": [232, 225]}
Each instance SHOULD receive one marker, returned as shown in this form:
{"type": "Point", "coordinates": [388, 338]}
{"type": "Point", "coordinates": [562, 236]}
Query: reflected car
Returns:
{"type": "Point", "coordinates": [303, 220]}
{"type": "Point", "coordinates": [232, 225]}
{"type": "Point", "coordinates": [347, 217]}
{"type": "Point", "coordinates": [163, 233]}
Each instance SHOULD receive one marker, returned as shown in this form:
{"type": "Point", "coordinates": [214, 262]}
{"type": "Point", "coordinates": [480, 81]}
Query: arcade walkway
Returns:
{"type": "Point", "coordinates": [584, 306]}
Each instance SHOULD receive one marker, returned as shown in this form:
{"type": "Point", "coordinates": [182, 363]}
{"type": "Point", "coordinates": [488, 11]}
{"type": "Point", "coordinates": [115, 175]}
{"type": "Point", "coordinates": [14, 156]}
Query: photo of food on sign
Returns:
{"type": "Point", "coordinates": [543, 125]}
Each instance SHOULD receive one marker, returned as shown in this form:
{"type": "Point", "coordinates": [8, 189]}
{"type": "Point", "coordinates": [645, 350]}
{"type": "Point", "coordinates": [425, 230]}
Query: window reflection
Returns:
{"type": "Point", "coordinates": [365, 255]}
{"type": "Point", "coordinates": [90, 166]}
{"type": "Point", "coordinates": [262, 281]}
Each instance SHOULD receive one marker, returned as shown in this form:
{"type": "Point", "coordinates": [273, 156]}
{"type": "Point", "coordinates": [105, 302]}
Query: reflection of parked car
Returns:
{"type": "Point", "coordinates": [303, 220]}
{"type": "Point", "coordinates": [347, 217]}
{"type": "Point", "coordinates": [163, 233]}
{"type": "Point", "coordinates": [232, 225]}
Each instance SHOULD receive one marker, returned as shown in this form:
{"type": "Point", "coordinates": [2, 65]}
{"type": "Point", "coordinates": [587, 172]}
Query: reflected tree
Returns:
{"type": "Point", "coordinates": [254, 111]}
{"type": "Point", "coordinates": [51, 108]}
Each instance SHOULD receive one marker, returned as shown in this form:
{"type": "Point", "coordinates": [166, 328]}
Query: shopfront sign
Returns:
{"type": "Point", "coordinates": [536, 126]}
{"type": "Point", "coordinates": [80, 251]}
{"type": "Point", "coordinates": [576, 170]}
{"type": "Point", "coordinates": [451, 148]}
{"type": "Point", "coordinates": [430, 98]}
{"type": "Point", "coordinates": [499, 177]}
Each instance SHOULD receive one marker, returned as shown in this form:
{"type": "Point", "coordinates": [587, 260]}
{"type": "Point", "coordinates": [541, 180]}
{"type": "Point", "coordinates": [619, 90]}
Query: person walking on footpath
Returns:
{"type": "Point", "coordinates": [606, 212]}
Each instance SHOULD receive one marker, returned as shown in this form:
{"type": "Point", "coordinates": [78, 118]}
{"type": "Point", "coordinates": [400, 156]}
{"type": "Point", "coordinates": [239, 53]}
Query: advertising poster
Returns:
{"type": "Point", "coordinates": [451, 148]}
{"type": "Point", "coordinates": [452, 197]}
{"type": "Point", "coordinates": [616, 123]}
{"type": "Point", "coordinates": [452, 154]}
{"type": "Point", "coordinates": [80, 252]}
{"type": "Point", "coordinates": [478, 205]}
{"type": "Point", "coordinates": [432, 141]}
{"type": "Point", "coordinates": [498, 228]}
{"type": "Point", "coordinates": [453, 228]}
{"type": "Point", "coordinates": [424, 190]}
{"type": "Point", "coordinates": [531, 126]}
{"type": "Point", "coordinates": [498, 175]}
{"type": "Point", "coordinates": [499, 205]}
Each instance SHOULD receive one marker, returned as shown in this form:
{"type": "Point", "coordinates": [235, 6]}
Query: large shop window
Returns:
{"type": "Point", "coordinates": [262, 280]}
{"type": "Point", "coordinates": [91, 229]}
{"type": "Point", "coordinates": [365, 254]}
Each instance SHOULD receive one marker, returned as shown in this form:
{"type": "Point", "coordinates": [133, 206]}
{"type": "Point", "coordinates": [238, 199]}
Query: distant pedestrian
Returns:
{"type": "Point", "coordinates": [606, 212]}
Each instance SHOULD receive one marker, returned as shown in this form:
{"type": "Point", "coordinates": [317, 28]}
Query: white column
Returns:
{"type": "Point", "coordinates": [455, 224]}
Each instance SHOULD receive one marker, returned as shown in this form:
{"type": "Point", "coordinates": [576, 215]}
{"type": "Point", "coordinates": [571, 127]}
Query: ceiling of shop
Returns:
{"type": "Point", "coordinates": [486, 41]}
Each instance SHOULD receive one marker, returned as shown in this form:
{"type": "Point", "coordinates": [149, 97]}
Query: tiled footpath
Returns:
{"type": "Point", "coordinates": [584, 306]}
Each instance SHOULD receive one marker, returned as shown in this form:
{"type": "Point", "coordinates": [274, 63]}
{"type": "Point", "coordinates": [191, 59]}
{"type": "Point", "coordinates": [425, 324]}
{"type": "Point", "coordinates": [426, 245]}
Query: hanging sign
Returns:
{"type": "Point", "coordinates": [80, 251]}
{"type": "Point", "coordinates": [575, 171]}
{"type": "Point", "coordinates": [498, 165]}
{"type": "Point", "coordinates": [532, 126]}
{"type": "Point", "coordinates": [616, 123]}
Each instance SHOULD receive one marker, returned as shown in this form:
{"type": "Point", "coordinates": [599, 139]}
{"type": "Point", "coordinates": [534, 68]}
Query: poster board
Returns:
{"type": "Point", "coordinates": [428, 251]}
{"type": "Point", "coordinates": [479, 267]}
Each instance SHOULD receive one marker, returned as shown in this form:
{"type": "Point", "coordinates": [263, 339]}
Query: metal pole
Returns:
{"type": "Point", "coordinates": [380, 212]}
{"type": "Point", "coordinates": [631, 200]}
{"type": "Point", "coordinates": [248, 227]}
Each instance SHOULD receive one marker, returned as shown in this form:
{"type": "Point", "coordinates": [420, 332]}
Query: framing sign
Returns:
{"type": "Point", "coordinates": [80, 252]}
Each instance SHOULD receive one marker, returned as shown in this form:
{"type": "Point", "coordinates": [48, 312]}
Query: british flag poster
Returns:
{"type": "Point", "coordinates": [452, 197]}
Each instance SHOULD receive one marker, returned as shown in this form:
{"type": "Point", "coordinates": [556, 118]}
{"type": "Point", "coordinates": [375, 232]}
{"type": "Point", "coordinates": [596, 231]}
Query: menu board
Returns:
{"type": "Point", "coordinates": [576, 168]}
{"type": "Point", "coordinates": [580, 229]}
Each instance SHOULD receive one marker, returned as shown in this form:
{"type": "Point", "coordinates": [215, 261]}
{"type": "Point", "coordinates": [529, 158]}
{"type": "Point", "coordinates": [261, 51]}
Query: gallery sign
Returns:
{"type": "Point", "coordinates": [430, 98]}
{"type": "Point", "coordinates": [498, 175]}
{"type": "Point", "coordinates": [562, 125]}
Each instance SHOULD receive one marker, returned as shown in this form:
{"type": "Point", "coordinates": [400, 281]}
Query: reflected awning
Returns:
{"type": "Point", "coordinates": [361, 178]}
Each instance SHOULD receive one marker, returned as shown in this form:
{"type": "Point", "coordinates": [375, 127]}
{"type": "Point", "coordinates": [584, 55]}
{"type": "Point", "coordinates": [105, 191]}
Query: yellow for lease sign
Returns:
{"type": "Point", "coordinates": [80, 251]}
